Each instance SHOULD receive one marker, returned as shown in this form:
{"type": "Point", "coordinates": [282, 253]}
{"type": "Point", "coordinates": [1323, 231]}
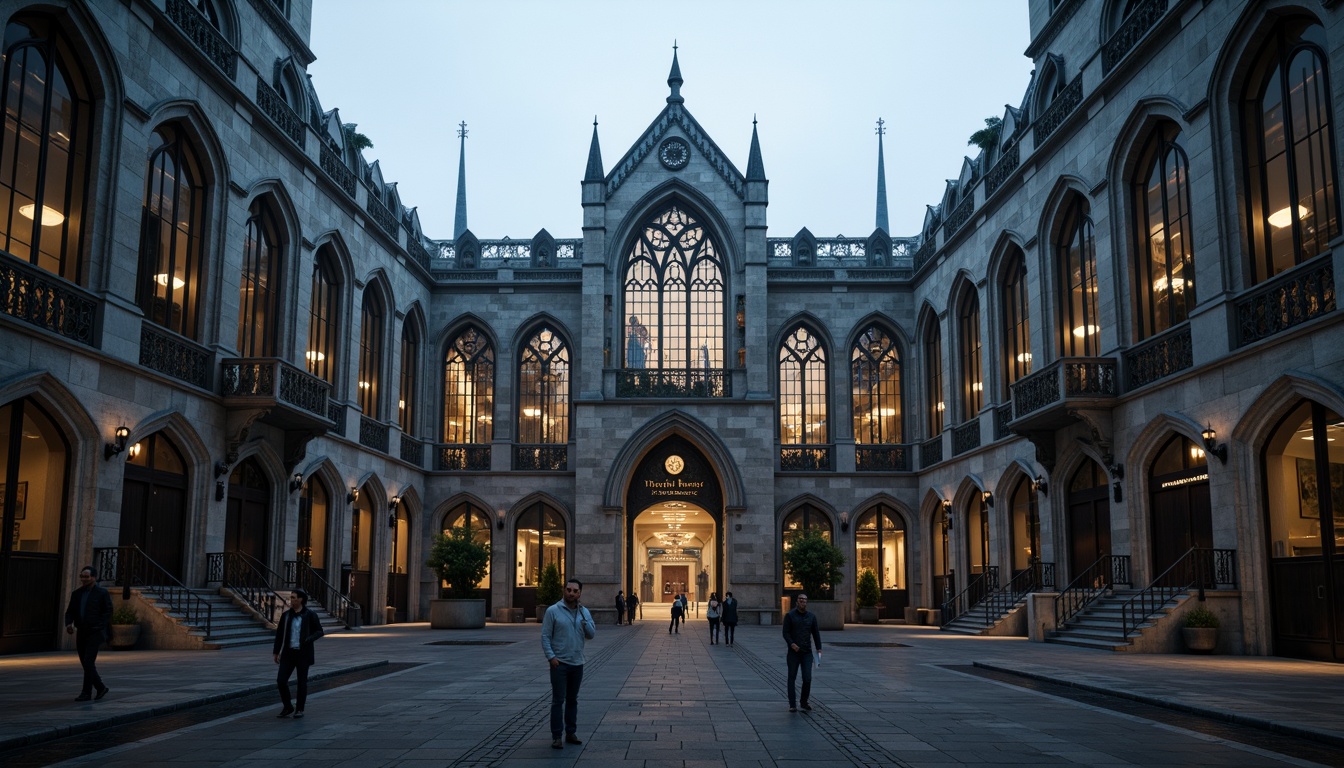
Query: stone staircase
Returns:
{"type": "Point", "coordinates": [232, 623]}
{"type": "Point", "coordinates": [1098, 625]}
{"type": "Point", "coordinates": [972, 622]}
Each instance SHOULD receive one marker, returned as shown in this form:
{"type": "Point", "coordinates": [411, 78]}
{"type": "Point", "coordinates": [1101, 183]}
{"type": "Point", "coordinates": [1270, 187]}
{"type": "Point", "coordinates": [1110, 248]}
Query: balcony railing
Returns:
{"type": "Point", "coordinates": [1134, 29]}
{"type": "Point", "coordinates": [336, 414]}
{"type": "Point", "coordinates": [541, 457]}
{"type": "Point", "coordinates": [1073, 377]}
{"type": "Point", "coordinates": [654, 382]}
{"type": "Point", "coordinates": [412, 450]}
{"type": "Point", "coordinates": [805, 458]}
{"type": "Point", "coordinates": [961, 214]}
{"type": "Point", "coordinates": [882, 458]}
{"type": "Point", "coordinates": [333, 166]}
{"type": "Point", "coordinates": [40, 298]}
{"type": "Point", "coordinates": [462, 457]}
{"type": "Point", "coordinates": [1004, 168]}
{"type": "Point", "coordinates": [273, 104]}
{"type": "Point", "coordinates": [206, 37]}
{"type": "Point", "coordinates": [1002, 415]}
{"type": "Point", "coordinates": [381, 215]}
{"type": "Point", "coordinates": [931, 452]}
{"type": "Point", "coordinates": [1058, 111]}
{"type": "Point", "coordinates": [1158, 358]}
{"type": "Point", "coordinates": [966, 437]}
{"type": "Point", "coordinates": [268, 379]}
{"type": "Point", "coordinates": [172, 355]}
{"type": "Point", "coordinates": [1289, 300]}
{"type": "Point", "coordinates": [926, 251]}
{"type": "Point", "coordinates": [373, 434]}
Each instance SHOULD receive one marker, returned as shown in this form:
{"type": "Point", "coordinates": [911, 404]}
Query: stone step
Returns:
{"type": "Point", "coordinates": [1084, 642]}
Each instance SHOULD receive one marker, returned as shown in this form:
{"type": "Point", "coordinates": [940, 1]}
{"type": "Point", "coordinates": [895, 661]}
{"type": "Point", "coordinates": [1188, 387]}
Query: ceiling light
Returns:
{"type": "Point", "coordinates": [1278, 219]}
{"type": "Point", "coordinates": [50, 217]}
{"type": "Point", "coordinates": [162, 279]}
{"type": "Point", "coordinates": [314, 356]}
{"type": "Point", "coordinates": [1085, 330]}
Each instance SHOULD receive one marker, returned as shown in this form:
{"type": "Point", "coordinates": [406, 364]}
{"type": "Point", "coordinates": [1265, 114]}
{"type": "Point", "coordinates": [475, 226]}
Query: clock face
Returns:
{"type": "Point", "coordinates": [674, 465]}
{"type": "Point", "coordinates": [674, 154]}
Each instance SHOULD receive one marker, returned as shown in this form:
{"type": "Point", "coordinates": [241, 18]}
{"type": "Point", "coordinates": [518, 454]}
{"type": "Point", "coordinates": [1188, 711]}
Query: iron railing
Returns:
{"type": "Point", "coordinates": [1286, 301]}
{"type": "Point", "coordinates": [199, 30]}
{"type": "Point", "coordinates": [373, 434]}
{"type": "Point", "coordinates": [1059, 110]}
{"type": "Point", "coordinates": [40, 298]}
{"type": "Point", "coordinates": [336, 169]}
{"type": "Point", "coordinates": [412, 450]}
{"type": "Point", "coordinates": [966, 437]}
{"type": "Point", "coordinates": [1159, 358]}
{"type": "Point", "coordinates": [298, 573]}
{"type": "Point", "coordinates": [1097, 579]}
{"type": "Point", "coordinates": [280, 113]}
{"type": "Point", "coordinates": [275, 379]}
{"type": "Point", "coordinates": [960, 215]}
{"type": "Point", "coordinates": [1004, 168]}
{"type": "Point", "coordinates": [543, 457]}
{"type": "Point", "coordinates": [1071, 377]}
{"type": "Point", "coordinates": [381, 215]}
{"type": "Point", "coordinates": [1002, 415]}
{"type": "Point", "coordinates": [882, 458]}
{"type": "Point", "coordinates": [249, 580]}
{"type": "Point", "coordinates": [129, 567]}
{"type": "Point", "coordinates": [805, 458]}
{"type": "Point", "coordinates": [997, 604]}
{"type": "Point", "coordinates": [926, 251]}
{"type": "Point", "coordinates": [1198, 569]}
{"type": "Point", "coordinates": [169, 354]}
{"type": "Point", "coordinates": [655, 382]}
{"type": "Point", "coordinates": [931, 452]}
{"type": "Point", "coordinates": [977, 588]}
{"type": "Point", "coordinates": [462, 456]}
{"type": "Point", "coordinates": [1134, 29]}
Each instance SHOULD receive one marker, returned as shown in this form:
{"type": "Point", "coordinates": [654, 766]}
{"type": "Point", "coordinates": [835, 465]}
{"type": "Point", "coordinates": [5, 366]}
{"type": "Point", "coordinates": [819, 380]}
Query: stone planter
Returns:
{"type": "Point", "coordinates": [868, 615]}
{"type": "Point", "coordinates": [123, 637]}
{"type": "Point", "coordinates": [830, 614]}
{"type": "Point", "coordinates": [456, 614]}
{"type": "Point", "coordinates": [1200, 639]}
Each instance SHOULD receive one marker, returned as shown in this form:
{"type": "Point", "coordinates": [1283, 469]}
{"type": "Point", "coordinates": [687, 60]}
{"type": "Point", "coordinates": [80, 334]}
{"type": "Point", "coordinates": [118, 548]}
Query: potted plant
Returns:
{"type": "Point", "coordinates": [815, 563]}
{"type": "Point", "coordinates": [868, 594]}
{"type": "Point", "coordinates": [549, 589]}
{"type": "Point", "coordinates": [1200, 630]}
{"type": "Point", "coordinates": [124, 629]}
{"type": "Point", "coordinates": [461, 563]}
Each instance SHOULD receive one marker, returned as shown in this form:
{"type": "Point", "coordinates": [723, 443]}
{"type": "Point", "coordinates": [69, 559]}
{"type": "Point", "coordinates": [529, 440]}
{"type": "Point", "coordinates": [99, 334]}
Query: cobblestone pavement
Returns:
{"type": "Point", "coordinates": [883, 696]}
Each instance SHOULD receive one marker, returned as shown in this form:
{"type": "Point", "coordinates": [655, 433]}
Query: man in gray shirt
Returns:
{"type": "Point", "coordinates": [564, 629]}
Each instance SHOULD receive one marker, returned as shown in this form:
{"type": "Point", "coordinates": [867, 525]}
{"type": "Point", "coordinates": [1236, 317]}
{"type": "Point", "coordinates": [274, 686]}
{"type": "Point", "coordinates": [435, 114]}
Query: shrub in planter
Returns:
{"type": "Point", "coordinates": [460, 561]}
{"type": "Point", "coordinates": [1201, 630]}
{"type": "Point", "coordinates": [815, 563]}
{"type": "Point", "coordinates": [1200, 617]}
{"type": "Point", "coordinates": [549, 588]}
{"type": "Point", "coordinates": [867, 594]}
{"type": "Point", "coordinates": [124, 631]}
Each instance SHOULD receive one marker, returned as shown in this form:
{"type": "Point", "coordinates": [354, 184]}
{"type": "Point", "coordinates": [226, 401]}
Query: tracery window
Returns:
{"type": "Point", "coordinates": [1291, 206]}
{"type": "Point", "coordinates": [1165, 256]}
{"type": "Point", "coordinates": [674, 296]}
{"type": "Point", "coordinates": [323, 316]}
{"type": "Point", "coordinates": [1075, 254]}
{"type": "Point", "coordinates": [469, 389]}
{"type": "Point", "coordinates": [168, 284]}
{"type": "Point", "coordinates": [875, 378]}
{"type": "Point", "coordinates": [44, 151]}
{"type": "Point", "coordinates": [1016, 322]}
{"type": "Point", "coordinates": [407, 391]}
{"type": "Point", "coordinates": [372, 319]}
{"type": "Point", "coordinates": [259, 290]}
{"type": "Point", "coordinates": [933, 378]}
{"type": "Point", "coordinates": [543, 389]}
{"type": "Point", "coordinates": [972, 378]}
{"type": "Point", "coordinates": [802, 389]}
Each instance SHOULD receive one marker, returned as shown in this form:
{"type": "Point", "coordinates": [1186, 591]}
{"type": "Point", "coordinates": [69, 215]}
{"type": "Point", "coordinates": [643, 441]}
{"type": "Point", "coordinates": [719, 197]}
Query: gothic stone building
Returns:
{"type": "Point", "coordinates": [1111, 360]}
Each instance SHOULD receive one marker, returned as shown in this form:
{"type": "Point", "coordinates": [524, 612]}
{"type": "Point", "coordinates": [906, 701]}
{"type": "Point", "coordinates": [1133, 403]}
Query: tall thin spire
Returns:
{"type": "Point", "coordinates": [594, 170]}
{"type": "Point", "coordinates": [755, 165]}
{"type": "Point", "coordinates": [881, 181]}
{"type": "Point", "coordinates": [460, 215]}
{"type": "Point", "coordinates": [674, 79]}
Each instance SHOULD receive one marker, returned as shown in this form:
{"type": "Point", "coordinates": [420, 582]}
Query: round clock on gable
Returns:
{"type": "Point", "coordinates": [674, 153]}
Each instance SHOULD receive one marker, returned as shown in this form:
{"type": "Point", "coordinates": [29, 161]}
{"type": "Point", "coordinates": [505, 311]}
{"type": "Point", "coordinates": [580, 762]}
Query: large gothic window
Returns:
{"type": "Point", "coordinates": [169, 281]}
{"type": "Point", "coordinates": [875, 378]}
{"type": "Point", "coordinates": [674, 298]}
{"type": "Point", "coordinates": [543, 400]}
{"type": "Point", "coordinates": [408, 395]}
{"type": "Point", "coordinates": [1165, 267]}
{"type": "Point", "coordinates": [323, 317]}
{"type": "Point", "coordinates": [469, 389]}
{"type": "Point", "coordinates": [1016, 322]}
{"type": "Point", "coordinates": [1287, 117]}
{"type": "Point", "coordinates": [933, 378]}
{"type": "Point", "coordinates": [968, 340]}
{"type": "Point", "coordinates": [802, 400]}
{"type": "Point", "coordinates": [44, 150]}
{"type": "Point", "coordinates": [1075, 254]}
{"type": "Point", "coordinates": [259, 289]}
{"type": "Point", "coordinates": [372, 321]}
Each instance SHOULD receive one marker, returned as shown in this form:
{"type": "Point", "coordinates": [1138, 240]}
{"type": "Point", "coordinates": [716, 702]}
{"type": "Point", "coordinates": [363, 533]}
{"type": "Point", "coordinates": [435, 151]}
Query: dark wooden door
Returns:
{"type": "Point", "coordinates": [245, 527]}
{"type": "Point", "coordinates": [675, 578]}
{"type": "Point", "coordinates": [1182, 517]}
{"type": "Point", "coordinates": [1089, 529]}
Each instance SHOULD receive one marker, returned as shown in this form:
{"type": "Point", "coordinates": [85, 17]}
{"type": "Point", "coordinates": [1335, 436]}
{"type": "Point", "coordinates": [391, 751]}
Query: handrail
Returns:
{"type": "Point", "coordinates": [999, 602]}
{"type": "Point", "coordinates": [309, 580]}
{"type": "Point", "coordinates": [249, 580]}
{"type": "Point", "coordinates": [1198, 568]}
{"type": "Point", "coordinates": [130, 566]}
{"type": "Point", "coordinates": [977, 587]}
{"type": "Point", "coordinates": [1098, 577]}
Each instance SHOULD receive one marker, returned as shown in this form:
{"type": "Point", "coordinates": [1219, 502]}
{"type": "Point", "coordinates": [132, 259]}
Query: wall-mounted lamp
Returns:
{"type": "Point", "coordinates": [353, 495]}
{"type": "Point", "coordinates": [1211, 444]}
{"type": "Point", "coordinates": [221, 469]}
{"type": "Point", "coordinates": [296, 482]}
{"type": "Point", "coordinates": [947, 514]}
{"type": "Point", "coordinates": [987, 497]}
{"type": "Point", "coordinates": [118, 443]}
{"type": "Point", "coordinates": [392, 505]}
{"type": "Point", "coordinates": [499, 519]}
{"type": "Point", "coordinates": [844, 521]}
{"type": "Point", "coordinates": [1116, 493]}
{"type": "Point", "coordinates": [1039, 485]}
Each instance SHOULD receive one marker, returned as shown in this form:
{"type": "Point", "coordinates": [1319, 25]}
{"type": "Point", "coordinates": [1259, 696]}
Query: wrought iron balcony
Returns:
{"type": "Point", "coordinates": [1002, 415]}
{"type": "Point", "coordinates": [273, 104]}
{"type": "Point", "coordinates": [381, 215]}
{"type": "Point", "coordinates": [966, 437]}
{"type": "Point", "coordinates": [412, 450]}
{"type": "Point", "coordinates": [373, 434]}
{"type": "Point", "coordinates": [1046, 398]}
{"type": "Point", "coordinates": [543, 457]}
{"type": "Point", "coordinates": [473, 457]}
{"type": "Point", "coordinates": [931, 452]}
{"type": "Point", "coordinates": [40, 298]}
{"type": "Point", "coordinates": [961, 214]}
{"type": "Point", "coordinates": [207, 39]}
{"type": "Point", "coordinates": [1007, 163]}
{"type": "Point", "coordinates": [882, 458]}
{"type": "Point", "coordinates": [291, 397]}
{"type": "Point", "coordinates": [1289, 300]}
{"type": "Point", "coordinates": [333, 166]}
{"type": "Point", "coordinates": [1059, 110]}
{"type": "Point", "coordinates": [805, 458]}
{"type": "Point", "coordinates": [172, 355]}
{"type": "Point", "coordinates": [1134, 29]}
{"type": "Point", "coordinates": [1158, 358]}
{"type": "Point", "coordinates": [654, 382]}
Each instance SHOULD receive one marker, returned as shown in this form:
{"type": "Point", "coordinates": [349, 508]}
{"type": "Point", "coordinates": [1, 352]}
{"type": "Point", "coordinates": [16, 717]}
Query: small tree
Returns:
{"type": "Point", "coordinates": [868, 593]}
{"type": "Point", "coordinates": [813, 561]}
{"type": "Point", "coordinates": [549, 588]}
{"type": "Point", "coordinates": [987, 137]}
{"type": "Point", "coordinates": [460, 560]}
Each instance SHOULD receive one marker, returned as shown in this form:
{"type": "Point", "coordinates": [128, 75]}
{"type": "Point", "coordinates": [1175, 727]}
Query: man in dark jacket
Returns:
{"type": "Point", "coordinates": [295, 633]}
{"type": "Point", "coordinates": [630, 606]}
{"type": "Point", "coordinates": [800, 630]}
{"type": "Point", "coordinates": [729, 618]}
{"type": "Point", "coordinates": [88, 617]}
{"type": "Point", "coordinates": [620, 606]}
{"type": "Point", "coordinates": [677, 612]}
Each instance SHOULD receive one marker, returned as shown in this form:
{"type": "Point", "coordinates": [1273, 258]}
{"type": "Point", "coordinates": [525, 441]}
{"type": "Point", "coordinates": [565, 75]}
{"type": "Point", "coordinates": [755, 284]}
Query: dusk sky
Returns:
{"type": "Point", "coordinates": [528, 77]}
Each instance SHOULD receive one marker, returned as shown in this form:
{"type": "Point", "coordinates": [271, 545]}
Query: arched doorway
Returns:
{"type": "Point", "coordinates": [944, 579]}
{"type": "Point", "coordinates": [314, 513]}
{"type": "Point", "coordinates": [1089, 517]}
{"type": "Point", "coordinates": [398, 561]}
{"type": "Point", "coordinates": [1025, 527]}
{"type": "Point", "coordinates": [539, 542]}
{"type": "Point", "coordinates": [879, 546]}
{"type": "Point", "coordinates": [1178, 492]}
{"type": "Point", "coordinates": [803, 519]}
{"type": "Point", "coordinates": [359, 584]}
{"type": "Point", "coordinates": [154, 501]}
{"type": "Point", "coordinates": [477, 521]}
{"type": "Point", "coordinates": [34, 476]}
{"type": "Point", "coordinates": [1303, 466]}
{"type": "Point", "coordinates": [247, 523]}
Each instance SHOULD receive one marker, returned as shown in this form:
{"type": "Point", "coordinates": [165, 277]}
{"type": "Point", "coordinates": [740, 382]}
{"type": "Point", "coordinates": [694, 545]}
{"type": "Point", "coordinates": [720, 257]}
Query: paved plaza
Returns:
{"type": "Point", "coordinates": [884, 695]}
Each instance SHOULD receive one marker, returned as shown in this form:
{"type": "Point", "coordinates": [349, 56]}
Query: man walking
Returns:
{"type": "Point", "coordinates": [87, 618]}
{"type": "Point", "coordinates": [295, 633]}
{"type": "Point", "coordinates": [564, 629]}
{"type": "Point", "coordinates": [800, 630]}
{"type": "Point", "coordinates": [677, 613]}
{"type": "Point", "coordinates": [729, 617]}
{"type": "Point", "coordinates": [630, 606]}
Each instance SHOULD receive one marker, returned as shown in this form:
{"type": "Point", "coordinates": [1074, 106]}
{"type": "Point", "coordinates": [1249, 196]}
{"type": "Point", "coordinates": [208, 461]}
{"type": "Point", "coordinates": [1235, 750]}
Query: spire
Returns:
{"type": "Point", "coordinates": [594, 172]}
{"type": "Point", "coordinates": [755, 165]}
{"type": "Point", "coordinates": [674, 79]}
{"type": "Point", "coordinates": [460, 215]}
{"type": "Point", "coordinates": [881, 181]}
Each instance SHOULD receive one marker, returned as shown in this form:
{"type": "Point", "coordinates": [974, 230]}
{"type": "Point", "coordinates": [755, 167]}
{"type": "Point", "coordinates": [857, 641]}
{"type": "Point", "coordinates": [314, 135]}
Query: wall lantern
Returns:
{"type": "Point", "coordinates": [353, 495]}
{"type": "Point", "coordinates": [1211, 444]}
{"type": "Point", "coordinates": [1039, 485]}
{"type": "Point", "coordinates": [499, 519]}
{"type": "Point", "coordinates": [392, 511]}
{"type": "Point", "coordinates": [296, 482]}
{"type": "Point", "coordinates": [844, 521]}
{"type": "Point", "coordinates": [947, 514]}
{"type": "Point", "coordinates": [987, 498]}
{"type": "Point", "coordinates": [118, 443]}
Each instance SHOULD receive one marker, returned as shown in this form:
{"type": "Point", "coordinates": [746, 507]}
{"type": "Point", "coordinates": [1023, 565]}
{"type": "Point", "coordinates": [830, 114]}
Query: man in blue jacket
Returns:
{"type": "Point", "coordinates": [565, 627]}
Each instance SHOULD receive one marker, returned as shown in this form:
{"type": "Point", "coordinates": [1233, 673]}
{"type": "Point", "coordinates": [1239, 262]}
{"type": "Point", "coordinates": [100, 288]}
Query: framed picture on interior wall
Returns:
{"type": "Point", "coordinates": [1308, 495]}
{"type": "Point", "coordinates": [20, 499]}
{"type": "Point", "coordinates": [14, 543]}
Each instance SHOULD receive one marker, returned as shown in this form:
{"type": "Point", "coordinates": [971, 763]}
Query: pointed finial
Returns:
{"type": "Point", "coordinates": [882, 222]}
{"type": "Point", "coordinates": [880, 129]}
{"type": "Point", "coordinates": [462, 130]}
{"type": "Point", "coordinates": [674, 79]}
{"type": "Point", "coordinates": [594, 121]}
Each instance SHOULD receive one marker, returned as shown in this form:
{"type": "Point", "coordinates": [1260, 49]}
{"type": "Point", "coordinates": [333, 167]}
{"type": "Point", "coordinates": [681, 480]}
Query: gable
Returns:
{"type": "Point", "coordinates": [651, 140]}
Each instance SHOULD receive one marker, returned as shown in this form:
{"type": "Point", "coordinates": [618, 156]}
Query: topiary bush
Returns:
{"type": "Point", "coordinates": [814, 562]}
{"type": "Point", "coordinates": [1200, 617]}
{"type": "Point", "coordinates": [549, 588]}
{"type": "Point", "coordinates": [460, 561]}
{"type": "Point", "coordinates": [868, 593]}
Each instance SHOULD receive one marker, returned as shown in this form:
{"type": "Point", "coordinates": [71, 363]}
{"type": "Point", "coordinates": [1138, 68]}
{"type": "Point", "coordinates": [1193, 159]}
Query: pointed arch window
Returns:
{"type": "Point", "coordinates": [169, 279]}
{"type": "Point", "coordinates": [674, 308]}
{"type": "Point", "coordinates": [323, 317]}
{"type": "Point", "coordinates": [1025, 540]}
{"type": "Point", "coordinates": [972, 376]}
{"type": "Point", "coordinates": [875, 381]}
{"type": "Point", "coordinates": [1075, 255]}
{"type": "Point", "coordinates": [933, 378]}
{"type": "Point", "coordinates": [408, 391]}
{"type": "Point", "coordinates": [372, 324]}
{"type": "Point", "coordinates": [44, 149]}
{"type": "Point", "coordinates": [1016, 322]}
{"type": "Point", "coordinates": [1165, 256]}
{"type": "Point", "coordinates": [314, 513]}
{"type": "Point", "coordinates": [477, 522]}
{"type": "Point", "coordinates": [1290, 167]}
{"type": "Point", "coordinates": [803, 397]}
{"type": "Point", "coordinates": [259, 289]}
{"type": "Point", "coordinates": [469, 389]}
{"type": "Point", "coordinates": [543, 402]}
{"type": "Point", "coordinates": [801, 521]}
